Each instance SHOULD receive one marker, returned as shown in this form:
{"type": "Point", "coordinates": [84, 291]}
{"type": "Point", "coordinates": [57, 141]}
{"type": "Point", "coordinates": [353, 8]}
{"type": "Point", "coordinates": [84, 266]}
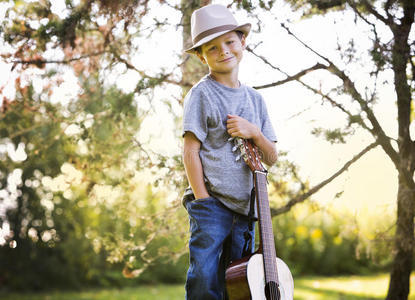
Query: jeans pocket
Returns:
{"type": "Point", "coordinates": [201, 203]}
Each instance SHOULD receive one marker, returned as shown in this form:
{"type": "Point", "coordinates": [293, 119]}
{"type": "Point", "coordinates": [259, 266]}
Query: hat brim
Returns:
{"type": "Point", "coordinates": [245, 29]}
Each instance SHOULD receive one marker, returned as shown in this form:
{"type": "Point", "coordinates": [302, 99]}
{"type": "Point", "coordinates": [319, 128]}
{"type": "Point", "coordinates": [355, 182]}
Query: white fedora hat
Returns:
{"type": "Point", "coordinates": [211, 21]}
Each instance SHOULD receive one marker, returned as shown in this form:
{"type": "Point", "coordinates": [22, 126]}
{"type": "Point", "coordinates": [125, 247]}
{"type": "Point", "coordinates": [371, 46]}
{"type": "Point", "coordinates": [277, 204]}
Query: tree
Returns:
{"type": "Point", "coordinates": [50, 186]}
{"type": "Point", "coordinates": [74, 151]}
{"type": "Point", "coordinates": [397, 55]}
{"type": "Point", "coordinates": [192, 69]}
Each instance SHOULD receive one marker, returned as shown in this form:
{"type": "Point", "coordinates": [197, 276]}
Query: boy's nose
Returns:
{"type": "Point", "coordinates": [224, 50]}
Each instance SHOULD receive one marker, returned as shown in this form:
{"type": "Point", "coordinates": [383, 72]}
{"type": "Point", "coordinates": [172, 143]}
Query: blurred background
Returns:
{"type": "Point", "coordinates": [91, 174]}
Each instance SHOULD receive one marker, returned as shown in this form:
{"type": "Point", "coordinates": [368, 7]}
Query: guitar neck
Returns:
{"type": "Point", "coordinates": [266, 234]}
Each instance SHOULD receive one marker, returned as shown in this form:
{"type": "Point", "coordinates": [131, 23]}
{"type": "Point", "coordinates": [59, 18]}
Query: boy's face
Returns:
{"type": "Point", "coordinates": [223, 53]}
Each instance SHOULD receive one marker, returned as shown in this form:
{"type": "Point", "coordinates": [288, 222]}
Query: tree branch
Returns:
{"type": "Point", "coordinates": [356, 10]}
{"type": "Point", "coordinates": [388, 5]}
{"type": "Point", "coordinates": [377, 130]}
{"type": "Point", "coordinates": [293, 77]}
{"type": "Point", "coordinates": [305, 45]}
{"type": "Point", "coordinates": [388, 21]}
{"type": "Point", "coordinates": [40, 62]}
{"type": "Point", "coordinates": [316, 188]}
{"type": "Point", "coordinates": [144, 75]}
{"type": "Point", "coordinates": [411, 62]}
{"type": "Point", "coordinates": [298, 79]}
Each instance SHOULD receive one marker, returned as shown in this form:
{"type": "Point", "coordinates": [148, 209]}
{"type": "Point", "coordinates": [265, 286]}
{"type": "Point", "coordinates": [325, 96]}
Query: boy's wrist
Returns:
{"type": "Point", "coordinates": [257, 136]}
{"type": "Point", "coordinates": [201, 195]}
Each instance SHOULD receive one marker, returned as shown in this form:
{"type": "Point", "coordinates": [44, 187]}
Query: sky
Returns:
{"type": "Point", "coordinates": [369, 187]}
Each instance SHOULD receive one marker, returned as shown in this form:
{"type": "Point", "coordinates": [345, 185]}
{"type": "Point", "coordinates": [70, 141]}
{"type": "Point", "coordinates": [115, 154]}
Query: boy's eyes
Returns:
{"type": "Point", "coordinates": [215, 47]}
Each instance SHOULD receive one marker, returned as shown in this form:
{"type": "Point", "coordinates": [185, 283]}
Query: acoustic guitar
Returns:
{"type": "Point", "coordinates": [261, 275]}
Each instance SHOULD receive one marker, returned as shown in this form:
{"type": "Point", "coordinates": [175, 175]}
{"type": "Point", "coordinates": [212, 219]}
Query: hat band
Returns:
{"type": "Point", "coordinates": [212, 31]}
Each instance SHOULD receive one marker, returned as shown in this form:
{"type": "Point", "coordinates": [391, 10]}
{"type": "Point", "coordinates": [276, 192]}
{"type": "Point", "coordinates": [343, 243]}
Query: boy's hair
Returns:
{"type": "Point", "coordinates": [239, 33]}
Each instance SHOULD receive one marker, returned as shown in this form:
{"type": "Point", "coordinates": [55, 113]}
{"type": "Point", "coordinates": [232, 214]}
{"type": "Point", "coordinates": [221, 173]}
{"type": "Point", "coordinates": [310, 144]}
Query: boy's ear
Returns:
{"type": "Point", "coordinates": [243, 42]}
{"type": "Point", "coordinates": [202, 59]}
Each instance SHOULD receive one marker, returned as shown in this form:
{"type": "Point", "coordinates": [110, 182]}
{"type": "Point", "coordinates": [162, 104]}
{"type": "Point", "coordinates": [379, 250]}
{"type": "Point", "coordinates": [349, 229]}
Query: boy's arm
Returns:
{"type": "Point", "coordinates": [238, 126]}
{"type": "Point", "coordinates": [193, 165]}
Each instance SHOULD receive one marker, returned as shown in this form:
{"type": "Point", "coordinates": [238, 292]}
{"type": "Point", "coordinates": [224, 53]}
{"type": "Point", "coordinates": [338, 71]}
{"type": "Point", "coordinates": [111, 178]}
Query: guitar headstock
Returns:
{"type": "Point", "coordinates": [249, 152]}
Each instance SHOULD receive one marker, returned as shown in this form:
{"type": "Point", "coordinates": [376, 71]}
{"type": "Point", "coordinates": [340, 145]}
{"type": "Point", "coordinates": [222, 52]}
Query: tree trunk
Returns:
{"type": "Point", "coordinates": [404, 244]}
{"type": "Point", "coordinates": [192, 68]}
{"type": "Point", "coordinates": [404, 237]}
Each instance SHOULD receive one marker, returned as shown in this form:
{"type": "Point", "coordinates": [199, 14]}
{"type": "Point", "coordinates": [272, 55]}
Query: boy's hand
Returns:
{"type": "Point", "coordinates": [241, 127]}
{"type": "Point", "coordinates": [238, 126]}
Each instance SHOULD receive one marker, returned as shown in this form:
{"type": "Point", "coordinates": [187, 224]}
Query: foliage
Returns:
{"type": "Point", "coordinates": [313, 242]}
{"type": "Point", "coordinates": [78, 195]}
{"type": "Point", "coordinates": [316, 239]}
{"type": "Point", "coordinates": [37, 26]}
{"type": "Point", "coordinates": [49, 214]}
{"type": "Point", "coordinates": [249, 5]}
{"type": "Point", "coordinates": [333, 136]}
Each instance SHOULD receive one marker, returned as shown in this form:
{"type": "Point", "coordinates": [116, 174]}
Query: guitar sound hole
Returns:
{"type": "Point", "coordinates": [272, 292]}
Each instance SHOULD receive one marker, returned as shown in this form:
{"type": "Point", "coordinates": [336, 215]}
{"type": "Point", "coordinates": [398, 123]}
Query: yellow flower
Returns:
{"type": "Point", "coordinates": [290, 241]}
{"type": "Point", "coordinates": [301, 231]}
{"type": "Point", "coordinates": [316, 234]}
{"type": "Point", "coordinates": [337, 240]}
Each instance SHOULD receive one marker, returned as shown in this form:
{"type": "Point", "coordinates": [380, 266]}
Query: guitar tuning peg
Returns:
{"type": "Point", "coordinates": [238, 157]}
{"type": "Point", "coordinates": [234, 148]}
{"type": "Point", "coordinates": [230, 139]}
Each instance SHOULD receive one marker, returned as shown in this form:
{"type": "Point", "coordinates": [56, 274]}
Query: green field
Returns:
{"type": "Point", "coordinates": [310, 288]}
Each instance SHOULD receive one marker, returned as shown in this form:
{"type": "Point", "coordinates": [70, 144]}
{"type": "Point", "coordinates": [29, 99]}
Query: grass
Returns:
{"type": "Point", "coordinates": [159, 292]}
{"type": "Point", "coordinates": [371, 287]}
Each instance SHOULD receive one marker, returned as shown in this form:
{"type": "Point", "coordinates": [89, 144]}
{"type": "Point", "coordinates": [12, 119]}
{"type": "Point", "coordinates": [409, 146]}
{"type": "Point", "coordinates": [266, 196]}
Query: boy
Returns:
{"type": "Point", "coordinates": [217, 108]}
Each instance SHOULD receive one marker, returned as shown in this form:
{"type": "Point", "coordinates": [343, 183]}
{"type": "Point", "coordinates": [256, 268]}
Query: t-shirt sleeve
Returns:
{"type": "Point", "coordinates": [267, 128]}
{"type": "Point", "coordinates": [195, 114]}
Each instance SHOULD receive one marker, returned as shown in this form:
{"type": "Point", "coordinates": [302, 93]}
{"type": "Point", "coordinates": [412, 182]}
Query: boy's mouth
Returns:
{"type": "Point", "coordinates": [226, 59]}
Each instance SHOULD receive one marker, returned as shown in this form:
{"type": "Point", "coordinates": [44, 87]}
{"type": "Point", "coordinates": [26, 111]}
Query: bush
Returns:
{"type": "Point", "coordinates": [317, 242]}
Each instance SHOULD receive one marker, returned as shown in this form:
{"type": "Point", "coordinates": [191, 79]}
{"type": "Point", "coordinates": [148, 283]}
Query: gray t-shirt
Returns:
{"type": "Point", "coordinates": [206, 107]}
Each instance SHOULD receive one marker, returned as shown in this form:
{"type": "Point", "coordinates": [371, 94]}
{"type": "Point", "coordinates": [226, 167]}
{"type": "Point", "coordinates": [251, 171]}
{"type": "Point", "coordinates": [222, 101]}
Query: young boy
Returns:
{"type": "Point", "coordinates": [217, 108]}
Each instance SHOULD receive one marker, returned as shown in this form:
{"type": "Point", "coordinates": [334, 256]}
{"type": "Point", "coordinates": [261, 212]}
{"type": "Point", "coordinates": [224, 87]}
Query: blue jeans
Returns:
{"type": "Point", "coordinates": [211, 226]}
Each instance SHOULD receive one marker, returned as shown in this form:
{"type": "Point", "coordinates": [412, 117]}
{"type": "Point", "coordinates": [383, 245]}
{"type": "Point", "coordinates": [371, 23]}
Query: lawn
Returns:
{"type": "Point", "coordinates": [344, 287]}
{"type": "Point", "coordinates": [310, 288]}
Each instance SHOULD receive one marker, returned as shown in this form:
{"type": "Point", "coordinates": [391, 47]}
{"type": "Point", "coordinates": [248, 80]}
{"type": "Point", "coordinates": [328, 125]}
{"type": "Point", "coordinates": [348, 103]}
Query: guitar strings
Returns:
{"type": "Point", "coordinates": [272, 286]}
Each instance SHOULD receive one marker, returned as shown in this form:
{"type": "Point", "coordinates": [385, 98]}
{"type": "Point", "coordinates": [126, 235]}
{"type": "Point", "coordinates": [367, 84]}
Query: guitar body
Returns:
{"type": "Point", "coordinates": [245, 279]}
